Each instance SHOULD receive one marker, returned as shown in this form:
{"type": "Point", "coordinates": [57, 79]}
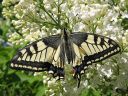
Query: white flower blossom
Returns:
{"type": "Point", "coordinates": [78, 27]}
{"type": "Point", "coordinates": [36, 19]}
{"type": "Point", "coordinates": [51, 82]}
{"type": "Point", "coordinates": [107, 73]}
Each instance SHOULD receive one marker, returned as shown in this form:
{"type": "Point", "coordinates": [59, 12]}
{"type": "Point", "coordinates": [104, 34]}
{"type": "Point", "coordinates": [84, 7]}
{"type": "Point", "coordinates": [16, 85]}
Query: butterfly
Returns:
{"type": "Point", "coordinates": [52, 53]}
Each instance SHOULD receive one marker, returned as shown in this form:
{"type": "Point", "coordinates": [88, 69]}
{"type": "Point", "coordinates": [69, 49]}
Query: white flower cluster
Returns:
{"type": "Point", "coordinates": [36, 19]}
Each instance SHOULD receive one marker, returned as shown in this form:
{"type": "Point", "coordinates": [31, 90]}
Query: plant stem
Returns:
{"type": "Point", "coordinates": [48, 14]}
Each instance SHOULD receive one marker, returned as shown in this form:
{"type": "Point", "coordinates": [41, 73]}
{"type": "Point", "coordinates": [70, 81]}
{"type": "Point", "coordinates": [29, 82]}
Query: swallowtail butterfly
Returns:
{"type": "Point", "coordinates": [51, 53]}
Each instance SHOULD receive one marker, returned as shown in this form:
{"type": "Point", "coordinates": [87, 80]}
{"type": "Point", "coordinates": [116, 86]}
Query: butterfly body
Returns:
{"type": "Point", "coordinates": [51, 53]}
{"type": "Point", "coordinates": [69, 50]}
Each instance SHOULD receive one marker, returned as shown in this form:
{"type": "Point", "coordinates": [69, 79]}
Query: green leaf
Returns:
{"type": "Point", "coordinates": [124, 23]}
{"type": "Point", "coordinates": [28, 77]}
{"type": "Point", "coordinates": [40, 91]}
{"type": "Point", "coordinates": [90, 92]}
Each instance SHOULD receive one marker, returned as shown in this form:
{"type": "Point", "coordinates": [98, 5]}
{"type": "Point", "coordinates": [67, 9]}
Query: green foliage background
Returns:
{"type": "Point", "coordinates": [15, 83]}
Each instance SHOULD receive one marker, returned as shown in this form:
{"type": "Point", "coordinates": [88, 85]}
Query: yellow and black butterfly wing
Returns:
{"type": "Point", "coordinates": [48, 54]}
{"type": "Point", "coordinates": [41, 55]}
{"type": "Point", "coordinates": [91, 48]}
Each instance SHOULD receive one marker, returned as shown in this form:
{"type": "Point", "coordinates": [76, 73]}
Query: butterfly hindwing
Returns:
{"type": "Point", "coordinates": [91, 48]}
{"type": "Point", "coordinates": [41, 55]}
